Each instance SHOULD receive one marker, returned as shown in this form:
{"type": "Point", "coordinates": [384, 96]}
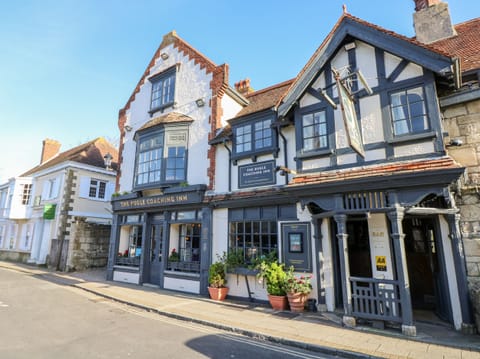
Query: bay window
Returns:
{"type": "Point", "coordinates": [161, 157]}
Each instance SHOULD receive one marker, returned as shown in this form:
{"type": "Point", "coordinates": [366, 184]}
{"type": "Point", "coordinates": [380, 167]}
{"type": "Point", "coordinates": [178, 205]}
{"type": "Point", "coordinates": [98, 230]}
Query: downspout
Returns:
{"type": "Point", "coordinates": [285, 156]}
{"type": "Point", "coordinates": [229, 165]}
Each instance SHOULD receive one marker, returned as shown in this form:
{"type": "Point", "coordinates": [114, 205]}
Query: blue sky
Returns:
{"type": "Point", "coordinates": [67, 67]}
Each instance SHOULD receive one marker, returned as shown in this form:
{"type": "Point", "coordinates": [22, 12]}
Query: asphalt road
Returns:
{"type": "Point", "coordinates": [41, 318]}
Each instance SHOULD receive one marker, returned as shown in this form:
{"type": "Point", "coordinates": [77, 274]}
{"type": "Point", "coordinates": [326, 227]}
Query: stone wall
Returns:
{"type": "Point", "coordinates": [14, 256]}
{"type": "Point", "coordinates": [462, 121]}
{"type": "Point", "coordinates": [88, 246]}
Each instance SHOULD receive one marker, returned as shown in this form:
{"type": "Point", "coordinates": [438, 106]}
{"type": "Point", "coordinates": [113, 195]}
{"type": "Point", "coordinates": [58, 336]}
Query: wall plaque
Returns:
{"type": "Point", "coordinates": [257, 174]}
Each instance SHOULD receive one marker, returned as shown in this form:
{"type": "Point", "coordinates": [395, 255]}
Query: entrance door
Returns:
{"type": "Point", "coordinates": [428, 285]}
{"type": "Point", "coordinates": [359, 261]}
{"type": "Point", "coordinates": [153, 261]}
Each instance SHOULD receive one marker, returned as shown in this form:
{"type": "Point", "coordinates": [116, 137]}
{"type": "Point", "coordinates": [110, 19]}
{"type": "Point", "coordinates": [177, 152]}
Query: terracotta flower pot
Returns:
{"type": "Point", "coordinates": [278, 302]}
{"type": "Point", "coordinates": [218, 293]}
{"type": "Point", "coordinates": [297, 301]}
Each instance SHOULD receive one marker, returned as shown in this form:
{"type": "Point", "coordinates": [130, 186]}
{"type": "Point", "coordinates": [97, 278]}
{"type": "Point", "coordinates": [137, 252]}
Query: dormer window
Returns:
{"type": "Point", "coordinates": [163, 90]}
{"type": "Point", "coordinates": [253, 138]}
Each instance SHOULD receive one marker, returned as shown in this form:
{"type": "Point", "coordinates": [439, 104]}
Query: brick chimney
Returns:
{"type": "Point", "coordinates": [243, 87]}
{"type": "Point", "coordinates": [50, 149]}
{"type": "Point", "coordinates": [432, 21]}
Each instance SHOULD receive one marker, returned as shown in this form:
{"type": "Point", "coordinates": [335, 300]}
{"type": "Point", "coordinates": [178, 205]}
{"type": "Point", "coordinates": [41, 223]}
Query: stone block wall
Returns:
{"type": "Point", "coordinates": [88, 247]}
{"type": "Point", "coordinates": [462, 121]}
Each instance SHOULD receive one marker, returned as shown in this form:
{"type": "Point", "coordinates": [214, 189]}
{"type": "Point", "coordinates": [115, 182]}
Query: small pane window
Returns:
{"type": "Point", "coordinates": [254, 137]}
{"type": "Point", "coordinates": [263, 134]}
{"type": "Point", "coordinates": [243, 139]}
{"type": "Point", "coordinates": [163, 90]}
{"type": "Point", "coordinates": [97, 189]}
{"type": "Point", "coordinates": [27, 193]}
{"type": "Point", "coordinates": [314, 131]}
{"type": "Point", "coordinates": [408, 111]}
{"type": "Point", "coordinates": [253, 239]}
{"type": "Point", "coordinates": [149, 165]}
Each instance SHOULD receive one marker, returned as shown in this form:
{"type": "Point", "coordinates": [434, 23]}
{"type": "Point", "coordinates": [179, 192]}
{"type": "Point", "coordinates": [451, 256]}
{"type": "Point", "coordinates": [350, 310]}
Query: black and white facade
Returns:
{"type": "Point", "coordinates": [342, 172]}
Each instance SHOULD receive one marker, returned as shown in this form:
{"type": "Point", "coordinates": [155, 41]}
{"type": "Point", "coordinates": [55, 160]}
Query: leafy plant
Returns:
{"type": "Point", "coordinates": [274, 275]}
{"type": "Point", "coordinates": [217, 272]}
{"type": "Point", "coordinates": [294, 284]}
{"type": "Point", "coordinates": [174, 256]}
{"type": "Point", "coordinates": [235, 259]}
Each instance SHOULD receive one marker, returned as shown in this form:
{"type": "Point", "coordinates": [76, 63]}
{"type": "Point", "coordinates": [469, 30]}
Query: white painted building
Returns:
{"type": "Point", "coordinates": [40, 208]}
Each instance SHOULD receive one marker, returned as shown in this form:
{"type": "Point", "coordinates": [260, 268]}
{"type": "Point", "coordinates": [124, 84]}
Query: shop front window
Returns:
{"type": "Point", "coordinates": [253, 239]}
{"type": "Point", "coordinates": [130, 246]}
{"type": "Point", "coordinates": [185, 257]}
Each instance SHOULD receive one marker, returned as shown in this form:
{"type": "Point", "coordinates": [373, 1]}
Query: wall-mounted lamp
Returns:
{"type": "Point", "coordinates": [107, 159]}
{"type": "Point", "coordinates": [128, 128]}
{"type": "Point", "coordinates": [284, 170]}
{"type": "Point", "coordinates": [455, 142]}
{"type": "Point", "coordinates": [200, 102]}
{"type": "Point", "coordinates": [164, 55]}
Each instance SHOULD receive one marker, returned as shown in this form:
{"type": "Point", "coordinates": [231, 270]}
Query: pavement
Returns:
{"type": "Point", "coordinates": [316, 331]}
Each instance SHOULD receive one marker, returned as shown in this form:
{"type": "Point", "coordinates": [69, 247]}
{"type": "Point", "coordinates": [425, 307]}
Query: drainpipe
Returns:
{"type": "Point", "coordinates": [285, 156]}
{"type": "Point", "coordinates": [229, 165]}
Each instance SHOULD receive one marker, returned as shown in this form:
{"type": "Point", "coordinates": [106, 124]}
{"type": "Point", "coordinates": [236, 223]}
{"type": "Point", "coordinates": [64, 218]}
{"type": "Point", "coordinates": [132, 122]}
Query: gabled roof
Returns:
{"type": "Point", "coordinates": [465, 45]}
{"type": "Point", "coordinates": [258, 101]}
{"type": "Point", "coordinates": [264, 99]}
{"type": "Point", "coordinates": [182, 46]}
{"type": "Point", "coordinates": [90, 153]}
{"type": "Point", "coordinates": [171, 117]}
{"type": "Point", "coordinates": [427, 56]}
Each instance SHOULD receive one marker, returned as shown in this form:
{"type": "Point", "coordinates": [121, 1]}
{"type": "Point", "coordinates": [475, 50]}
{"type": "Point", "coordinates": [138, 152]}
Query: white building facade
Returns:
{"type": "Point", "coordinates": [41, 208]}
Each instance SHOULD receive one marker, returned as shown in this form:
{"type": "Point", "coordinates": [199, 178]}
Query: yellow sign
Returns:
{"type": "Point", "coordinates": [381, 263]}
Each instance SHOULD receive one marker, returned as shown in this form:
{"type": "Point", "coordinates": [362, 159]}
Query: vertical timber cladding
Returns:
{"type": "Point", "coordinates": [297, 246]}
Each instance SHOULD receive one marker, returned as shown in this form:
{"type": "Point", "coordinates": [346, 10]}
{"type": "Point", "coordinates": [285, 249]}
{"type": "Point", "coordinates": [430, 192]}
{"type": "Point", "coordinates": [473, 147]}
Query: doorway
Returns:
{"type": "Point", "coordinates": [428, 284]}
{"type": "Point", "coordinates": [359, 258]}
{"type": "Point", "coordinates": [153, 258]}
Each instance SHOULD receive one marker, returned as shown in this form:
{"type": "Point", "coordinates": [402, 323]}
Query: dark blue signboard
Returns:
{"type": "Point", "coordinates": [257, 174]}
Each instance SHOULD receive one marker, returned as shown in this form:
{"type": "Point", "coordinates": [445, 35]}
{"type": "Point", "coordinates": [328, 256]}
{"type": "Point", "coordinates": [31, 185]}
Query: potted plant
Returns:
{"type": "Point", "coordinates": [273, 273]}
{"type": "Point", "coordinates": [217, 278]}
{"type": "Point", "coordinates": [298, 289]}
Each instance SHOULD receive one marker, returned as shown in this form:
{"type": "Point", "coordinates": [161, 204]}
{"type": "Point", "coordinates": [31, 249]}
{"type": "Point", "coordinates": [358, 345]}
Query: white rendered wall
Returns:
{"type": "Point", "coordinates": [191, 83]}
{"type": "Point", "coordinates": [183, 285]}
{"type": "Point", "coordinates": [220, 232]}
{"type": "Point", "coordinates": [221, 170]}
{"type": "Point", "coordinates": [365, 57]}
{"type": "Point", "coordinates": [230, 108]}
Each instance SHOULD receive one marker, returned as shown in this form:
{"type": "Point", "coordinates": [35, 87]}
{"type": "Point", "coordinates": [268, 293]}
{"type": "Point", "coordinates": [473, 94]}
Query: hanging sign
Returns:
{"type": "Point", "coordinates": [350, 118]}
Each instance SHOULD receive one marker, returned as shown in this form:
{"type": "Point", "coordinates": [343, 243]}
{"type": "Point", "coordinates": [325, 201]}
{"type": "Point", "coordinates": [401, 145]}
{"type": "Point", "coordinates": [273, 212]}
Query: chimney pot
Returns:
{"type": "Point", "coordinates": [243, 86]}
{"type": "Point", "coordinates": [423, 4]}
